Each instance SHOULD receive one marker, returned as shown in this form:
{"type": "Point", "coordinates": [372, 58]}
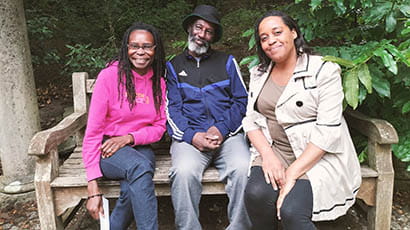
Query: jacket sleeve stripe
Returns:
{"type": "Point", "coordinates": [236, 131]}
{"type": "Point", "coordinates": [238, 70]}
{"type": "Point", "coordinates": [172, 77]}
{"type": "Point", "coordinates": [177, 133]}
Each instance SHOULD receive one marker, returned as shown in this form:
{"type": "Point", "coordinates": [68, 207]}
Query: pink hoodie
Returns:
{"type": "Point", "coordinates": [108, 117]}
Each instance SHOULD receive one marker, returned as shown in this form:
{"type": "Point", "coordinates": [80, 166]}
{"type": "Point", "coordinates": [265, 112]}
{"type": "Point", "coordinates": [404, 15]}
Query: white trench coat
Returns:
{"type": "Point", "coordinates": [310, 110]}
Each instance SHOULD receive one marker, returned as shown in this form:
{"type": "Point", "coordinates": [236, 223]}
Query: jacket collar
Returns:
{"type": "Point", "coordinates": [302, 70]}
{"type": "Point", "coordinates": [302, 67]}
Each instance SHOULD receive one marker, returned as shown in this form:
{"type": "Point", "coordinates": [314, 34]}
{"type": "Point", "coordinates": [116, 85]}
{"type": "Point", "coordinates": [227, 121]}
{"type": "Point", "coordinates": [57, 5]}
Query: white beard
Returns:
{"type": "Point", "coordinates": [195, 48]}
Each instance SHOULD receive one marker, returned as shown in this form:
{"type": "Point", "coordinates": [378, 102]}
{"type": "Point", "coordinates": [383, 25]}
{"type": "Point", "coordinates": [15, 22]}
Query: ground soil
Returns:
{"type": "Point", "coordinates": [20, 211]}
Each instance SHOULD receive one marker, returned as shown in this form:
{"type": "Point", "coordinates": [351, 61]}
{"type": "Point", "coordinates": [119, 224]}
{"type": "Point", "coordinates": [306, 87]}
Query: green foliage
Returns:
{"type": "Point", "coordinates": [42, 27]}
{"type": "Point", "coordinates": [83, 35]}
{"type": "Point", "coordinates": [252, 60]}
{"type": "Point", "coordinates": [84, 57]}
{"type": "Point", "coordinates": [178, 45]}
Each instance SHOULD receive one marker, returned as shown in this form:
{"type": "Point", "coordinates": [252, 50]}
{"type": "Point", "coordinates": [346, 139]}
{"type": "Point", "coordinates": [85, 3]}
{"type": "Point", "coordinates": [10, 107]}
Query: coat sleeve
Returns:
{"type": "Point", "coordinates": [177, 125]}
{"type": "Point", "coordinates": [232, 118]}
{"type": "Point", "coordinates": [327, 131]}
{"type": "Point", "coordinates": [248, 121]}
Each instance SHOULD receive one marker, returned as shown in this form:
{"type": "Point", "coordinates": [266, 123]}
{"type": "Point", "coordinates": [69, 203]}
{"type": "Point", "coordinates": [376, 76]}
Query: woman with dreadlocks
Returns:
{"type": "Point", "coordinates": [127, 113]}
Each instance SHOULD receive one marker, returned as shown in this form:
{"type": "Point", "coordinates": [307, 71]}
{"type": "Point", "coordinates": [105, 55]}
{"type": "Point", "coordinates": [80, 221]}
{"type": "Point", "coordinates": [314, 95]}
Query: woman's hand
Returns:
{"type": "Point", "coordinates": [94, 204]}
{"type": "Point", "coordinates": [273, 170]}
{"type": "Point", "coordinates": [283, 192]}
{"type": "Point", "coordinates": [112, 145]}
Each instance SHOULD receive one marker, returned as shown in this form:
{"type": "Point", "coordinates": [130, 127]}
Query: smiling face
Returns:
{"type": "Point", "coordinates": [141, 50]}
{"type": "Point", "coordinates": [277, 40]}
{"type": "Point", "coordinates": [201, 34]}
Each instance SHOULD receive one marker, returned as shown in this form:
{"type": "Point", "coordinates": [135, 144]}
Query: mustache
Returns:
{"type": "Point", "coordinates": [193, 38]}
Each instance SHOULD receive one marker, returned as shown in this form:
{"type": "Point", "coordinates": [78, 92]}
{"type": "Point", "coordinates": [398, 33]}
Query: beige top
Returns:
{"type": "Point", "coordinates": [266, 104]}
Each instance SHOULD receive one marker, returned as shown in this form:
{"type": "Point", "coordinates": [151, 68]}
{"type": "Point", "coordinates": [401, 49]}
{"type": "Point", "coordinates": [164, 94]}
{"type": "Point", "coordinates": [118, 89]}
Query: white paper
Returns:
{"type": "Point", "coordinates": [105, 220]}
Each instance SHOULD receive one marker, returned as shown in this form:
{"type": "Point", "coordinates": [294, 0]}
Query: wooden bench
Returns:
{"type": "Point", "coordinates": [62, 186]}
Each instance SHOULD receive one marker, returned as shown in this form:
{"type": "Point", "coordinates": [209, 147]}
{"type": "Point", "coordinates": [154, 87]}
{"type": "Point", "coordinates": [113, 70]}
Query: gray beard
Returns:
{"type": "Point", "coordinates": [195, 48]}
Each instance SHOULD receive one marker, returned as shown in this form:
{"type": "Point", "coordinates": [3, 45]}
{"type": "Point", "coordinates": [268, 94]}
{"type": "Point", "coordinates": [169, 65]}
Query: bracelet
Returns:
{"type": "Point", "coordinates": [98, 194]}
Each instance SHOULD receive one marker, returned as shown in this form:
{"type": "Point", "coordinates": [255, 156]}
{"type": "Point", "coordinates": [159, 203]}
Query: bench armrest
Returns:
{"type": "Point", "coordinates": [45, 140]}
{"type": "Point", "coordinates": [377, 130]}
{"type": "Point", "coordinates": [381, 134]}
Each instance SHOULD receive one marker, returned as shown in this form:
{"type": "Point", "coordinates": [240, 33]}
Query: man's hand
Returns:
{"type": "Point", "coordinates": [214, 136]}
{"type": "Point", "coordinates": [202, 143]}
{"type": "Point", "coordinates": [113, 144]}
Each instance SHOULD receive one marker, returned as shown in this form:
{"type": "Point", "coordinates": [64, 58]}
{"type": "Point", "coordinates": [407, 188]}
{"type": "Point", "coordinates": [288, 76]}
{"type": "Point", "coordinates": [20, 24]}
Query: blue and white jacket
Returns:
{"type": "Point", "coordinates": [202, 93]}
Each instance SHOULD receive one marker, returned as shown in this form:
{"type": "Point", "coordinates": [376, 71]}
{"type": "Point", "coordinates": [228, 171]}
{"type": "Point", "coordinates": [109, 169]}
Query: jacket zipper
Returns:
{"type": "Point", "coordinates": [202, 92]}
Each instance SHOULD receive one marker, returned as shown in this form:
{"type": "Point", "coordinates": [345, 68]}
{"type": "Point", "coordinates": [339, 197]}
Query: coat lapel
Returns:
{"type": "Point", "coordinates": [263, 76]}
{"type": "Point", "coordinates": [293, 86]}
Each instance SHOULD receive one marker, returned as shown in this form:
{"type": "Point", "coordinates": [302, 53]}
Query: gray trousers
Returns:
{"type": "Point", "coordinates": [188, 165]}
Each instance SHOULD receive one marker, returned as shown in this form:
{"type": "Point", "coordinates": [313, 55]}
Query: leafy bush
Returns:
{"type": "Point", "coordinates": [84, 58]}
{"type": "Point", "coordinates": [41, 28]}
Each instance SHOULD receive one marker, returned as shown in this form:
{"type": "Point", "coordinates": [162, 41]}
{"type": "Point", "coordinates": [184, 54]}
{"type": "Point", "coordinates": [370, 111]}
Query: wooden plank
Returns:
{"type": "Point", "coordinates": [90, 85]}
{"type": "Point", "coordinates": [368, 172]}
{"type": "Point", "coordinates": [44, 173]}
{"type": "Point", "coordinates": [367, 191]}
{"type": "Point", "coordinates": [79, 92]}
{"type": "Point", "coordinates": [77, 178]}
{"type": "Point", "coordinates": [69, 197]}
{"type": "Point", "coordinates": [379, 216]}
{"type": "Point", "coordinates": [379, 130]}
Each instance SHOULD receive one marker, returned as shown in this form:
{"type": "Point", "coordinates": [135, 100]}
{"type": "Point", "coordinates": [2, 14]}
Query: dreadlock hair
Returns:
{"type": "Point", "coordinates": [125, 77]}
{"type": "Point", "coordinates": [300, 43]}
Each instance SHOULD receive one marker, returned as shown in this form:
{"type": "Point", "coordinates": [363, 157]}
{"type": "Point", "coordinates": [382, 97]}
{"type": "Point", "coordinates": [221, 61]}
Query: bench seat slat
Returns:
{"type": "Point", "coordinates": [72, 172]}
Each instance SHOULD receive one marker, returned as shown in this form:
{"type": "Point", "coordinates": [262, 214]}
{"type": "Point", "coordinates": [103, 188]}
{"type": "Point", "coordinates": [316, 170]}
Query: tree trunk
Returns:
{"type": "Point", "coordinates": [19, 117]}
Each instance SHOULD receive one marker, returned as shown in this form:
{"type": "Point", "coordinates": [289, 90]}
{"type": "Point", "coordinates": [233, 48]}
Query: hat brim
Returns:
{"type": "Point", "coordinates": [188, 20]}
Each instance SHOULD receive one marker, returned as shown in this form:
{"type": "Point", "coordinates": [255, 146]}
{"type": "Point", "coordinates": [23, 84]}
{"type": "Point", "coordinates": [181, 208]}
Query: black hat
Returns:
{"type": "Point", "coordinates": [207, 13]}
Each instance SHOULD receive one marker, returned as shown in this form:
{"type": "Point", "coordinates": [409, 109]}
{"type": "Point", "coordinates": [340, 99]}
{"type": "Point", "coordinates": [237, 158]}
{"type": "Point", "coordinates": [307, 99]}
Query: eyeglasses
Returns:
{"type": "Point", "coordinates": [145, 47]}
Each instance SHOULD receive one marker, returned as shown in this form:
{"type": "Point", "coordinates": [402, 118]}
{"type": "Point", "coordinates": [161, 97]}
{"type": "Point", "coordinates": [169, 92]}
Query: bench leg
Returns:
{"type": "Point", "coordinates": [44, 195]}
{"type": "Point", "coordinates": [46, 211]}
{"type": "Point", "coordinates": [379, 216]}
